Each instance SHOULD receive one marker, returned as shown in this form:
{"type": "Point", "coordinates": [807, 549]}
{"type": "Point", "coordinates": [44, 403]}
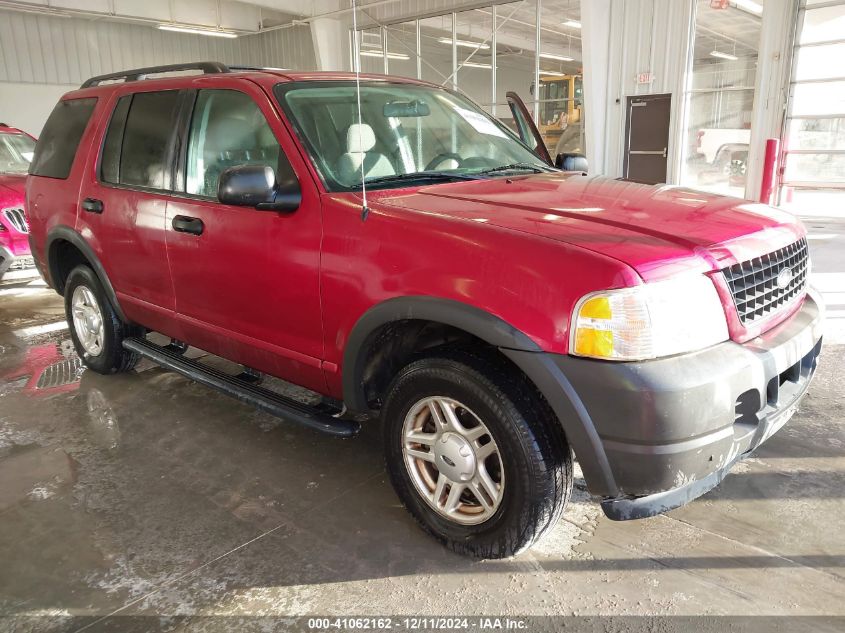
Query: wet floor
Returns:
{"type": "Point", "coordinates": [149, 500]}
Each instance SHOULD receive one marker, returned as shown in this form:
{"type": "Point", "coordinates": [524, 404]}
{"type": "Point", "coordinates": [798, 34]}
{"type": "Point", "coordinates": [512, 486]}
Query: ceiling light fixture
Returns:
{"type": "Point", "coordinates": [722, 55]}
{"type": "Point", "coordinates": [477, 65]}
{"type": "Point", "coordinates": [552, 73]}
{"type": "Point", "coordinates": [560, 58]}
{"type": "Point", "coordinates": [575, 24]}
{"type": "Point", "coordinates": [183, 29]}
{"type": "Point", "coordinates": [467, 43]}
{"type": "Point", "coordinates": [374, 53]}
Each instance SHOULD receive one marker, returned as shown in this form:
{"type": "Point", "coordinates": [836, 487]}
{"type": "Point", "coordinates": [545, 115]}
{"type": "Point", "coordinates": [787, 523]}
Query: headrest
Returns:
{"type": "Point", "coordinates": [360, 138]}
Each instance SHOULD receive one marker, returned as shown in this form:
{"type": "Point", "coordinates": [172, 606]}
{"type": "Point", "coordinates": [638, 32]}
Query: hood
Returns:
{"type": "Point", "coordinates": [658, 230]}
{"type": "Point", "coordinates": [12, 186]}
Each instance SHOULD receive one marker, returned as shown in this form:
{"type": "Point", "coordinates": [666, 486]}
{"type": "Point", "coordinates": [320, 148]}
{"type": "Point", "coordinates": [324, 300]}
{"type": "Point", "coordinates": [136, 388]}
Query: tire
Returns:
{"type": "Point", "coordinates": [535, 462]}
{"type": "Point", "coordinates": [109, 356]}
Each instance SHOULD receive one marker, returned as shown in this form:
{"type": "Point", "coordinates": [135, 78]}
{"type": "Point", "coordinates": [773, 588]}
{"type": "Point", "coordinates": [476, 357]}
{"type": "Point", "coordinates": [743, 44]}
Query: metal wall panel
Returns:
{"type": "Point", "coordinates": [49, 50]}
{"type": "Point", "coordinates": [622, 39]}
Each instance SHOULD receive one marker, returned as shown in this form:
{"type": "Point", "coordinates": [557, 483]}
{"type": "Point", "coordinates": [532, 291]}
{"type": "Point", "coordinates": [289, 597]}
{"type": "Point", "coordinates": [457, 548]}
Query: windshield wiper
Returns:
{"type": "Point", "coordinates": [418, 175]}
{"type": "Point", "coordinates": [512, 167]}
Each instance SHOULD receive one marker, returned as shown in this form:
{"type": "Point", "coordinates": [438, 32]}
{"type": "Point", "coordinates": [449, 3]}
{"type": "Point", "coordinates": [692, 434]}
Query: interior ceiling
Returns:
{"type": "Point", "coordinates": [242, 17]}
{"type": "Point", "coordinates": [515, 36]}
{"type": "Point", "coordinates": [731, 30]}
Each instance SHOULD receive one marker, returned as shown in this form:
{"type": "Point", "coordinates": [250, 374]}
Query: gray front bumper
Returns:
{"type": "Point", "coordinates": [672, 428]}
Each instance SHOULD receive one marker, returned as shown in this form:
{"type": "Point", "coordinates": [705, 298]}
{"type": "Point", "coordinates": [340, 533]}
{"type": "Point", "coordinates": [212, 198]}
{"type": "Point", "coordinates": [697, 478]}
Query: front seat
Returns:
{"type": "Point", "coordinates": [360, 139]}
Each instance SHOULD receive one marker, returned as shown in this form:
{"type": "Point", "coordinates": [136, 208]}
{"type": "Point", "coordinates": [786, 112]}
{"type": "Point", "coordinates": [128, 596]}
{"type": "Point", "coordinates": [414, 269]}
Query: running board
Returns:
{"type": "Point", "coordinates": [250, 393]}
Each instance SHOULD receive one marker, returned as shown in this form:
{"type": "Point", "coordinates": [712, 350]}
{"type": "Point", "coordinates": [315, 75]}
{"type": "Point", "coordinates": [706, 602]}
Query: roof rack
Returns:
{"type": "Point", "coordinates": [247, 68]}
{"type": "Point", "coordinates": [140, 73]}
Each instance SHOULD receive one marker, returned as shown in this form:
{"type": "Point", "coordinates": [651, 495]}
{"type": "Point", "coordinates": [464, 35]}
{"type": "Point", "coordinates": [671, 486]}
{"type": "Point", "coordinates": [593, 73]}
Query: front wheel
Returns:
{"type": "Point", "coordinates": [96, 330]}
{"type": "Point", "coordinates": [475, 454]}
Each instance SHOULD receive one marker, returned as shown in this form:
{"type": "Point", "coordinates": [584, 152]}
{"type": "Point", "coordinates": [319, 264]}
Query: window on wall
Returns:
{"type": "Point", "coordinates": [401, 49]}
{"type": "Point", "coordinates": [436, 49]}
{"type": "Point", "coordinates": [814, 147]}
{"type": "Point", "coordinates": [516, 49]}
{"type": "Point", "coordinates": [561, 94]}
{"type": "Point", "coordinates": [489, 51]}
{"type": "Point", "coordinates": [721, 95]}
{"type": "Point", "coordinates": [475, 61]}
{"type": "Point", "coordinates": [371, 50]}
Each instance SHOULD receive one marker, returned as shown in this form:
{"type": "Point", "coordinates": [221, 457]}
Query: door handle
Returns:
{"type": "Point", "coordinates": [92, 205]}
{"type": "Point", "coordinates": [185, 224]}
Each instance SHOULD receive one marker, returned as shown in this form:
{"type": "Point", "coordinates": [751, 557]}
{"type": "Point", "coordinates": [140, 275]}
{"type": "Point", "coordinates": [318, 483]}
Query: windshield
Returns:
{"type": "Point", "coordinates": [15, 153]}
{"type": "Point", "coordinates": [407, 133]}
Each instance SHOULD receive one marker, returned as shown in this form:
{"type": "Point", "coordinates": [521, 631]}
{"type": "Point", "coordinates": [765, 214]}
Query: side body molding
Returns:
{"type": "Point", "coordinates": [67, 234]}
{"type": "Point", "coordinates": [519, 348]}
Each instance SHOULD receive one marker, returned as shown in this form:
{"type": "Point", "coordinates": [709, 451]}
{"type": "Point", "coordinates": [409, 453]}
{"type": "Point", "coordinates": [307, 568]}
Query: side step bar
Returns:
{"type": "Point", "coordinates": [258, 397]}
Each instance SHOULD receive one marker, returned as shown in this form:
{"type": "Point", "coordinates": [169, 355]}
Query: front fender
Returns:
{"type": "Point", "coordinates": [518, 347]}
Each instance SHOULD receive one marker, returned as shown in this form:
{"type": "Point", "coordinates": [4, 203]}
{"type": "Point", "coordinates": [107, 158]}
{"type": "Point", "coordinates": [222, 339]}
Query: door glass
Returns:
{"type": "Point", "coordinates": [150, 121]}
{"type": "Point", "coordinates": [528, 132]}
{"type": "Point", "coordinates": [522, 125]}
{"type": "Point", "coordinates": [227, 129]}
{"type": "Point", "coordinates": [113, 143]}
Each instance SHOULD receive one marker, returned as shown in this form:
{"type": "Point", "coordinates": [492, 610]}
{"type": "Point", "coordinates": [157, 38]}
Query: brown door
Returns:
{"type": "Point", "coordinates": [647, 138]}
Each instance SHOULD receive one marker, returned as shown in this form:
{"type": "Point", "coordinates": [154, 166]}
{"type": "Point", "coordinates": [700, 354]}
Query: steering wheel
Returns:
{"type": "Point", "coordinates": [442, 158]}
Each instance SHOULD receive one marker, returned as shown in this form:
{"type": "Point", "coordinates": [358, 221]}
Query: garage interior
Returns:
{"type": "Point", "coordinates": [145, 501]}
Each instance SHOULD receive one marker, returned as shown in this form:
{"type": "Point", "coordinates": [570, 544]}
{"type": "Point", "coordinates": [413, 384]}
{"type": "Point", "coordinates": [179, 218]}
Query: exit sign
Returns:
{"type": "Point", "coordinates": [645, 78]}
{"type": "Point", "coordinates": [719, 4]}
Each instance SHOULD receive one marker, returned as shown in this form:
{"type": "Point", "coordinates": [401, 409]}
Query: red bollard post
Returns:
{"type": "Point", "coordinates": [770, 166]}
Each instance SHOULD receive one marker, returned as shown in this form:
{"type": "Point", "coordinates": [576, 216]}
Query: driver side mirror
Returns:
{"type": "Point", "coordinates": [256, 186]}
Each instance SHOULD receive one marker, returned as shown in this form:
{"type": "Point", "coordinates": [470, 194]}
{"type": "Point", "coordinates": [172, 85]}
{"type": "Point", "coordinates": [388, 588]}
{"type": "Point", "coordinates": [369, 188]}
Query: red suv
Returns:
{"type": "Point", "coordinates": [16, 149]}
{"type": "Point", "coordinates": [495, 313]}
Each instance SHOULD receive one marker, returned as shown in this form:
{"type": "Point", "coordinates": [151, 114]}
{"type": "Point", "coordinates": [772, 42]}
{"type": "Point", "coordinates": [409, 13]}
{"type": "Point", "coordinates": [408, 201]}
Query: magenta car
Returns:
{"type": "Point", "coordinates": [16, 148]}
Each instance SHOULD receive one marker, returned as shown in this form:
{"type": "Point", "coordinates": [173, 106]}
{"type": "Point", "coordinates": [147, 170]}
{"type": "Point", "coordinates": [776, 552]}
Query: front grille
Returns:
{"type": "Point", "coordinates": [17, 219]}
{"type": "Point", "coordinates": [755, 287]}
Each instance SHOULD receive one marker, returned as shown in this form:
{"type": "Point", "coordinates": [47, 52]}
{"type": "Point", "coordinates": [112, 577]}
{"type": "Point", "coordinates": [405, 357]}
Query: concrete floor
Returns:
{"type": "Point", "coordinates": [147, 495]}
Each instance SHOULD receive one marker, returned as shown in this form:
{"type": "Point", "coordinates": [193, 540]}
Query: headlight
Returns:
{"type": "Point", "coordinates": [649, 321]}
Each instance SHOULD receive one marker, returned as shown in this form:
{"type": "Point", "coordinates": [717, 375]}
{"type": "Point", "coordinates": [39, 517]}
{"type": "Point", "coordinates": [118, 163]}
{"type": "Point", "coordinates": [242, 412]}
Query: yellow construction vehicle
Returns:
{"type": "Point", "coordinates": [561, 101]}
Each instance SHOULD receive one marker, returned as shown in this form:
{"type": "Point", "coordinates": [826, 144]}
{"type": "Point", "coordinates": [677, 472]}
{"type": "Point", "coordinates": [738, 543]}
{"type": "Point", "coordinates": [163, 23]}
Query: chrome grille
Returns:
{"type": "Point", "coordinates": [17, 219]}
{"type": "Point", "coordinates": [760, 287]}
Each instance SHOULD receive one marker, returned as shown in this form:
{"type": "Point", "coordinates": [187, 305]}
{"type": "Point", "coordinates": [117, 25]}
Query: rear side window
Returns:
{"type": "Point", "coordinates": [135, 151]}
{"type": "Point", "coordinates": [56, 148]}
{"type": "Point", "coordinates": [110, 163]}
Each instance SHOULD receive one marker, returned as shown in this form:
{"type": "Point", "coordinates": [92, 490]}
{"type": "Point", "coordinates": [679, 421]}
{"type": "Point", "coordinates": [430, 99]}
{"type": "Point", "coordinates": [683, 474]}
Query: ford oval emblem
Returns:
{"type": "Point", "coordinates": [784, 278]}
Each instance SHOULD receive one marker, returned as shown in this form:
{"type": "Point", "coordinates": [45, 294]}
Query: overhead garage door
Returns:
{"type": "Point", "coordinates": [814, 165]}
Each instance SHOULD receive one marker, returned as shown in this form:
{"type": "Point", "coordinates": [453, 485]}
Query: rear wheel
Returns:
{"type": "Point", "coordinates": [96, 330]}
{"type": "Point", "coordinates": [475, 454]}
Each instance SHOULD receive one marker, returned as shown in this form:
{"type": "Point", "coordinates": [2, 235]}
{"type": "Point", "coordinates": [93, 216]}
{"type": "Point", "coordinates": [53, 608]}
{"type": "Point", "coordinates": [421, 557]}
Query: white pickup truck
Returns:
{"type": "Point", "coordinates": [717, 144]}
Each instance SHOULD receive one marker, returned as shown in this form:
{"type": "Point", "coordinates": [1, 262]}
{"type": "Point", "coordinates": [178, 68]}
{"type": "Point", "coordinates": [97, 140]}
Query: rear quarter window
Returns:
{"type": "Point", "coordinates": [57, 145]}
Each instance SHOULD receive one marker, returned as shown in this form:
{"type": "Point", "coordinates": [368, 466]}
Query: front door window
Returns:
{"type": "Point", "coordinates": [227, 130]}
